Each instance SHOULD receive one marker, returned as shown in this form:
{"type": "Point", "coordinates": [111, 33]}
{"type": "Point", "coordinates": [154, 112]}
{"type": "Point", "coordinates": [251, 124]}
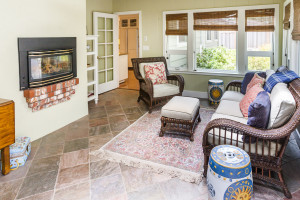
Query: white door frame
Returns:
{"type": "Point", "coordinates": [140, 28]}
{"type": "Point", "coordinates": [107, 86]}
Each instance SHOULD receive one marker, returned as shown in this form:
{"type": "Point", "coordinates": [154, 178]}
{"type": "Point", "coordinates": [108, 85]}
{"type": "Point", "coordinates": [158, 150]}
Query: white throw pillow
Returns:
{"type": "Point", "coordinates": [283, 105]}
{"type": "Point", "coordinates": [269, 72]}
{"type": "Point", "coordinates": [142, 67]}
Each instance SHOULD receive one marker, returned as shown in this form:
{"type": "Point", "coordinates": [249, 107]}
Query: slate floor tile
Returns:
{"type": "Point", "coordinates": [75, 192]}
{"type": "Point", "coordinates": [104, 168]}
{"type": "Point", "coordinates": [44, 165]}
{"type": "Point", "coordinates": [74, 158]}
{"type": "Point", "coordinates": [73, 175]}
{"type": "Point", "coordinates": [99, 130]}
{"type": "Point", "coordinates": [9, 190]}
{"type": "Point", "coordinates": [108, 187]}
{"type": "Point", "coordinates": [49, 150]}
{"type": "Point", "coordinates": [41, 196]}
{"type": "Point", "coordinates": [37, 183]}
{"type": "Point", "coordinates": [75, 145]}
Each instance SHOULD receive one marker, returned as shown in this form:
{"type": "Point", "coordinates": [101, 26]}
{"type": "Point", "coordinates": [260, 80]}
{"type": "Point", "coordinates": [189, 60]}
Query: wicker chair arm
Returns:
{"type": "Point", "coordinates": [269, 134]}
{"type": "Point", "coordinates": [178, 78]}
{"type": "Point", "coordinates": [149, 85]}
{"type": "Point", "coordinates": [234, 83]}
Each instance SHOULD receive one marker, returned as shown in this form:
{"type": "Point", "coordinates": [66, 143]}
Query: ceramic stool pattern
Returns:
{"type": "Point", "coordinates": [215, 90]}
{"type": "Point", "coordinates": [229, 174]}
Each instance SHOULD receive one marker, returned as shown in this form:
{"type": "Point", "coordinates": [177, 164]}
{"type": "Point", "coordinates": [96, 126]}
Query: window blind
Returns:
{"type": "Point", "coordinates": [286, 20]}
{"type": "Point", "coordinates": [177, 24]}
{"type": "Point", "coordinates": [216, 21]}
{"type": "Point", "coordinates": [296, 29]}
{"type": "Point", "coordinates": [260, 20]}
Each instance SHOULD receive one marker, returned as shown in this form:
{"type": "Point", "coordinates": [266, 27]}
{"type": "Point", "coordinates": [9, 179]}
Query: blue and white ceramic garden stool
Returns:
{"type": "Point", "coordinates": [215, 90]}
{"type": "Point", "coordinates": [229, 174]}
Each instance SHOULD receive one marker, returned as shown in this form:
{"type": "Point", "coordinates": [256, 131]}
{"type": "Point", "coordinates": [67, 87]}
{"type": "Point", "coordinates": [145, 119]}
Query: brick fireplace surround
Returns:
{"type": "Point", "coordinates": [47, 96]}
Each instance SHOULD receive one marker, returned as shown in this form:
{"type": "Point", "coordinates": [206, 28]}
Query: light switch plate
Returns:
{"type": "Point", "coordinates": [146, 48]}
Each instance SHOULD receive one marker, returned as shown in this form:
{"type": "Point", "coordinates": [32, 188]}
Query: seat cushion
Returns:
{"type": "Point", "coordinates": [142, 67]}
{"type": "Point", "coordinates": [231, 108]}
{"type": "Point", "coordinates": [161, 90]}
{"type": "Point", "coordinates": [232, 96]}
{"type": "Point", "coordinates": [242, 120]}
{"type": "Point", "coordinates": [184, 108]}
{"type": "Point", "coordinates": [283, 105]}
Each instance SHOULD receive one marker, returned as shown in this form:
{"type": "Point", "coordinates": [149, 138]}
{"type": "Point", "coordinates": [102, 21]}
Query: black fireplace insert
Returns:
{"type": "Point", "coordinates": [45, 61]}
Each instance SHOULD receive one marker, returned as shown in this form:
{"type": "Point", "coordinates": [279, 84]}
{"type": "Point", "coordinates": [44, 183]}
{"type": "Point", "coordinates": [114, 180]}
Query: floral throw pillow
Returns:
{"type": "Point", "coordinates": [249, 97]}
{"type": "Point", "coordinates": [156, 72]}
{"type": "Point", "coordinates": [256, 79]}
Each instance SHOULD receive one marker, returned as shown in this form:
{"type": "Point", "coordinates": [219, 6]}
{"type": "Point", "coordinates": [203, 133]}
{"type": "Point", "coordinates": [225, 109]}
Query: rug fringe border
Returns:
{"type": "Point", "coordinates": [171, 171]}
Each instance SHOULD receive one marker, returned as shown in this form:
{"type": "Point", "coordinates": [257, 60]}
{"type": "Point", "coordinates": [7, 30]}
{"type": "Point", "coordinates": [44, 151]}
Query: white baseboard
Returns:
{"type": "Point", "coordinates": [189, 93]}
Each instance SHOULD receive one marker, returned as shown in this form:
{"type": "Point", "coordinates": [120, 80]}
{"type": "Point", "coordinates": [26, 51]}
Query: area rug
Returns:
{"type": "Point", "coordinates": [140, 146]}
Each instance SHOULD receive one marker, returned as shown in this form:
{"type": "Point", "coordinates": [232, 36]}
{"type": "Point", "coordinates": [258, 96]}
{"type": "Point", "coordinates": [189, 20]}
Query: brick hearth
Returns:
{"type": "Point", "coordinates": [47, 96]}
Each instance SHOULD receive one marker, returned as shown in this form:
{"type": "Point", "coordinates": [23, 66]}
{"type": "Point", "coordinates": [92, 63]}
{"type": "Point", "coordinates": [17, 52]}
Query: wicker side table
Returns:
{"type": "Point", "coordinates": [180, 116]}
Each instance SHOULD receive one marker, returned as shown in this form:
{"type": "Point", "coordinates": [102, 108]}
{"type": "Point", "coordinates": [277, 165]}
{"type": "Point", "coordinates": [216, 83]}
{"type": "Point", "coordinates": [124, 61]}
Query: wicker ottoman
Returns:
{"type": "Point", "coordinates": [180, 116]}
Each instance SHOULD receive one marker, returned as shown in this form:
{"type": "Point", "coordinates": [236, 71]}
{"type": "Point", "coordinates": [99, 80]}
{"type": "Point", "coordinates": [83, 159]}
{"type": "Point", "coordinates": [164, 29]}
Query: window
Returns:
{"type": "Point", "coordinates": [176, 32]}
{"type": "Point", "coordinates": [216, 34]}
{"type": "Point", "coordinates": [223, 40]}
{"type": "Point", "coordinates": [218, 54]}
{"type": "Point", "coordinates": [208, 35]}
{"type": "Point", "coordinates": [259, 27]}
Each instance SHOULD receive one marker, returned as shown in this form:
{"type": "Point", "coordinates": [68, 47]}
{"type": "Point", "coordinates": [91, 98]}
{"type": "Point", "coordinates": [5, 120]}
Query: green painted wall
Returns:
{"type": "Point", "coordinates": [153, 24]}
{"type": "Point", "coordinates": [105, 6]}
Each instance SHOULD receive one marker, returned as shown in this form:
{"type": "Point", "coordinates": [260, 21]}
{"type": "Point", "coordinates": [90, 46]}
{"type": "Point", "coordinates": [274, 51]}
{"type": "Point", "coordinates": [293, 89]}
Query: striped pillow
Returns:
{"type": "Point", "coordinates": [256, 79]}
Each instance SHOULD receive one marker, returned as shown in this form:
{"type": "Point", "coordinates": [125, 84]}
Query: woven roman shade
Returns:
{"type": "Point", "coordinates": [286, 20]}
{"type": "Point", "coordinates": [216, 21]}
{"type": "Point", "coordinates": [296, 30]}
{"type": "Point", "coordinates": [177, 24]}
{"type": "Point", "coordinates": [260, 20]}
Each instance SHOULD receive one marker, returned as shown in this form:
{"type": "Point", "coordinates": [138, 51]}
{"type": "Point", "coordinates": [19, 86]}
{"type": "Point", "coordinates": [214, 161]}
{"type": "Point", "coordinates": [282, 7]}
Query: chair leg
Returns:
{"type": "Point", "coordinates": [286, 191]}
{"type": "Point", "coordinates": [205, 165]}
{"type": "Point", "coordinates": [139, 99]}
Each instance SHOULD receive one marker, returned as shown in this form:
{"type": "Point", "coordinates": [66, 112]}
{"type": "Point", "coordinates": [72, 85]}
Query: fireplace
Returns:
{"type": "Point", "coordinates": [46, 61]}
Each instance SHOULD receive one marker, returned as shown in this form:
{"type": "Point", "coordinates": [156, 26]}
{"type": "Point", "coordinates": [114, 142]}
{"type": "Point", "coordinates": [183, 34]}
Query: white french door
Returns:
{"type": "Point", "coordinates": [106, 27]}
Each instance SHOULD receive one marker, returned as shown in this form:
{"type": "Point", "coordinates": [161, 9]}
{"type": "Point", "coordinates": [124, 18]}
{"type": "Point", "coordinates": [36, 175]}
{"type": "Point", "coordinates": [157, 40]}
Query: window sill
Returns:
{"type": "Point", "coordinates": [206, 73]}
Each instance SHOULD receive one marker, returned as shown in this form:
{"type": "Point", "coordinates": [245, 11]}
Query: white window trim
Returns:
{"type": "Point", "coordinates": [241, 41]}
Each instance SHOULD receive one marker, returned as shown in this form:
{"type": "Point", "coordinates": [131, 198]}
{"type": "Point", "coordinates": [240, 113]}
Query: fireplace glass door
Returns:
{"type": "Point", "coordinates": [45, 65]}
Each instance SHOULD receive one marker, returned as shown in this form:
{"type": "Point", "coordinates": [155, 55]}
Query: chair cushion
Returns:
{"type": "Point", "coordinates": [247, 78]}
{"type": "Point", "coordinates": [161, 90]}
{"type": "Point", "coordinates": [232, 96]}
{"type": "Point", "coordinates": [142, 67]}
{"type": "Point", "coordinates": [184, 108]}
{"type": "Point", "coordinates": [156, 72]}
{"type": "Point", "coordinates": [283, 105]}
{"type": "Point", "coordinates": [259, 111]}
{"type": "Point", "coordinates": [256, 79]}
{"type": "Point", "coordinates": [249, 98]}
{"type": "Point", "coordinates": [231, 108]}
{"type": "Point", "coordinates": [242, 120]}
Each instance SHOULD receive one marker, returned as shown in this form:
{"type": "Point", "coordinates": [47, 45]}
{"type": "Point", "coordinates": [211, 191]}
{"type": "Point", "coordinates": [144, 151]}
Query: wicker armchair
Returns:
{"type": "Point", "coordinates": [149, 93]}
{"type": "Point", "coordinates": [269, 145]}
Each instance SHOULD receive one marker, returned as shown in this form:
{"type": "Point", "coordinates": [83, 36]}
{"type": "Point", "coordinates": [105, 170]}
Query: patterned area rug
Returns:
{"type": "Point", "coordinates": [140, 146]}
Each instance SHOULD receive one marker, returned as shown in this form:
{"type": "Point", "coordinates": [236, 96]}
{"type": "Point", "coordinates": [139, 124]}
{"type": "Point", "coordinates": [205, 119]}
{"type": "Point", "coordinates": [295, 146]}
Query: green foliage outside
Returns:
{"type": "Point", "coordinates": [225, 59]}
{"type": "Point", "coordinates": [217, 58]}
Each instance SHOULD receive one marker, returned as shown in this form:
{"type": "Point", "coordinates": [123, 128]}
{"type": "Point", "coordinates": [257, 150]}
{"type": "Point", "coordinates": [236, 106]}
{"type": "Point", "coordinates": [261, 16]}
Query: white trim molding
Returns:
{"type": "Point", "coordinates": [140, 28]}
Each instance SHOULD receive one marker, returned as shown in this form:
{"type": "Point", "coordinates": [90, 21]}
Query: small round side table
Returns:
{"type": "Point", "coordinates": [215, 90]}
{"type": "Point", "coordinates": [229, 174]}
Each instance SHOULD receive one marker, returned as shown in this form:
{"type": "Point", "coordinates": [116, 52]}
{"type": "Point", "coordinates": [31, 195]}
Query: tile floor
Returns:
{"type": "Point", "coordinates": [60, 167]}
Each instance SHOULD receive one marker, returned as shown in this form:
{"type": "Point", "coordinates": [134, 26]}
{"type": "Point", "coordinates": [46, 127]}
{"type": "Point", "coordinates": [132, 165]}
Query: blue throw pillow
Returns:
{"type": "Point", "coordinates": [248, 77]}
{"type": "Point", "coordinates": [259, 113]}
